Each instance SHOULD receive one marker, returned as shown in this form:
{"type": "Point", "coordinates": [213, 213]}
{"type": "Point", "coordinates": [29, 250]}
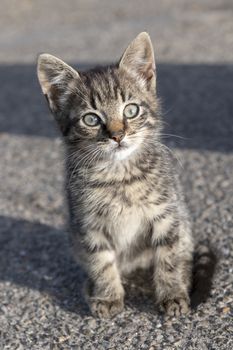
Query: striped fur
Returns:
{"type": "Point", "coordinates": [126, 205]}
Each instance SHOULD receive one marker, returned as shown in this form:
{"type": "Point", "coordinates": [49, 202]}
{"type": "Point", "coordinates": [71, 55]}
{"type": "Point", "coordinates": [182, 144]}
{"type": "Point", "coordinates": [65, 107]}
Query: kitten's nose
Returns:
{"type": "Point", "coordinates": [117, 136]}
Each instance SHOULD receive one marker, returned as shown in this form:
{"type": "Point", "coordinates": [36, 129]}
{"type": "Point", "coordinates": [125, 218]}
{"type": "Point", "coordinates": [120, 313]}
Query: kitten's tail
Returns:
{"type": "Point", "coordinates": [205, 261]}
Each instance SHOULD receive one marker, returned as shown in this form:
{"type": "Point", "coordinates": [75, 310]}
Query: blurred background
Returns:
{"type": "Point", "coordinates": [40, 286]}
{"type": "Point", "coordinates": [193, 46]}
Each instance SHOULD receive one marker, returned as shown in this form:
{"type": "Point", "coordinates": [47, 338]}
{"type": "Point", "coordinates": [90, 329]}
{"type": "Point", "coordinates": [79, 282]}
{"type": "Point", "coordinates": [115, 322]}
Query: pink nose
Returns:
{"type": "Point", "coordinates": [117, 136]}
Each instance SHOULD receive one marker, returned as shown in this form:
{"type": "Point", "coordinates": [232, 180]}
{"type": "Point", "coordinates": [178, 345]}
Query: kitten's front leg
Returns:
{"type": "Point", "coordinates": [104, 292]}
{"type": "Point", "coordinates": [172, 265]}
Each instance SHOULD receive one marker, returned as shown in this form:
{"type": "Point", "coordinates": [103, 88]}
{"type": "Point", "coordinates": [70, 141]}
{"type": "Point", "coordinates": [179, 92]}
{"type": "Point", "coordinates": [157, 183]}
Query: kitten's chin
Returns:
{"type": "Point", "coordinates": [124, 152]}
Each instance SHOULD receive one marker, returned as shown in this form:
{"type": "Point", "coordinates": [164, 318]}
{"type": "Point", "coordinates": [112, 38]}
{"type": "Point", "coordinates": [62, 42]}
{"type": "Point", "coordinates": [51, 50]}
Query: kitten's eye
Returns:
{"type": "Point", "coordinates": [131, 111]}
{"type": "Point", "coordinates": [91, 119]}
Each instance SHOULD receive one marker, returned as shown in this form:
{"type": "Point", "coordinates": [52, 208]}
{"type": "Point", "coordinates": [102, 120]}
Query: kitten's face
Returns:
{"type": "Point", "coordinates": [116, 114]}
{"type": "Point", "coordinates": [109, 113]}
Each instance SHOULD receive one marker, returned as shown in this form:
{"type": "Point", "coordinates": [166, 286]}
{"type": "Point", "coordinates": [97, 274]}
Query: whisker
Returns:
{"type": "Point", "coordinates": [177, 136]}
{"type": "Point", "coordinates": [173, 154]}
{"type": "Point", "coordinates": [83, 159]}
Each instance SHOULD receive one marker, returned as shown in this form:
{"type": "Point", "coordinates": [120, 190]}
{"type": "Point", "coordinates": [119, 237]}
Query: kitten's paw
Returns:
{"type": "Point", "coordinates": [106, 308]}
{"type": "Point", "coordinates": [176, 306]}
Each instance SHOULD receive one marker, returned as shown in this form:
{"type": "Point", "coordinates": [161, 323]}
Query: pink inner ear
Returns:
{"type": "Point", "coordinates": [148, 71]}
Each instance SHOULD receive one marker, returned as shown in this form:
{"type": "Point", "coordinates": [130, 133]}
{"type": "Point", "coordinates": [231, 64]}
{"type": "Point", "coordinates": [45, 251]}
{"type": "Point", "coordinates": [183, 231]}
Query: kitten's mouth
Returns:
{"type": "Point", "coordinates": [120, 147]}
{"type": "Point", "coordinates": [122, 151]}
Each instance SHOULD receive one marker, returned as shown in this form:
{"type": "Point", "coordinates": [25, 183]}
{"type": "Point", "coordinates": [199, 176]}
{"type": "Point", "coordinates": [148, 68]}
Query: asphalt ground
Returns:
{"type": "Point", "coordinates": [42, 306]}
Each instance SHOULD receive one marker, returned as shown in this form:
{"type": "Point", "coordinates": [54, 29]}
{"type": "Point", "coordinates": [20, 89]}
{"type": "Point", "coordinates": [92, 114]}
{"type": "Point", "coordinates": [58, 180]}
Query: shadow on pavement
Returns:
{"type": "Point", "coordinates": [37, 256]}
{"type": "Point", "coordinates": [197, 103]}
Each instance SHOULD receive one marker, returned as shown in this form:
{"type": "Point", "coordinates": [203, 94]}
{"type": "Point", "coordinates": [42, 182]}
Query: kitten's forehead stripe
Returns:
{"type": "Point", "coordinates": [122, 93]}
{"type": "Point", "coordinates": [129, 96]}
{"type": "Point", "coordinates": [92, 100]}
{"type": "Point", "coordinates": [116, 91]}
{"type": "Point", "coordinates": [97, 97]}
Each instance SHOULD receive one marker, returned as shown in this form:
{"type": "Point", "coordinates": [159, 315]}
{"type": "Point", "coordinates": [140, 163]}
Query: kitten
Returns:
{"type": "Point", "coordinates": [126, 206]}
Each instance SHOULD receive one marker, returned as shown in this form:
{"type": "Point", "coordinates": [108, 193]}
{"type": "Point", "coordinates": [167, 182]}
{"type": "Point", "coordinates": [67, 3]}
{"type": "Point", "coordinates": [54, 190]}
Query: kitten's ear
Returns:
{"type": "Point", "coordinates": [56, 79]}
{"type": "Point", "coordinates": [138, 59]}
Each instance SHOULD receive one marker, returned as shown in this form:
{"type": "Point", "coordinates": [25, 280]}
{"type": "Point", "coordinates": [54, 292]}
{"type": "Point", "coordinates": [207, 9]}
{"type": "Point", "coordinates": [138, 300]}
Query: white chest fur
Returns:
{"type": "Point", "coordinates": [125, 227]}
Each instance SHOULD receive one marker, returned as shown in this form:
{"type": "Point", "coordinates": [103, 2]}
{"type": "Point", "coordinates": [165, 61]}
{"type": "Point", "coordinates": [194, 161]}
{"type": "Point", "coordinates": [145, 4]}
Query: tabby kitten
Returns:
{"type": "Point", "coordinates": [126, 206]}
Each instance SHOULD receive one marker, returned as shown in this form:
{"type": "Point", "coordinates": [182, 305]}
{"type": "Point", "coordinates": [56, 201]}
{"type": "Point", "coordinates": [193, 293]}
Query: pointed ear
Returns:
{"type": "Point", "coordinates": [138, 59]}
{"type": "Point", "coordinates": [56, 79]}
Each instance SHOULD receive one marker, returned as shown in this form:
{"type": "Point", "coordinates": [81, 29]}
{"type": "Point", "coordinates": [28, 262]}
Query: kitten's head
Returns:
{"type": "Point", "coordinates": [112, 111]}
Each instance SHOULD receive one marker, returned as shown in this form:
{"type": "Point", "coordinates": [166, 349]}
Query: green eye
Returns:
{"type": "Point", "coordinates": [91, 119]}
{"type": "Point", "coordinates": [131, 111]}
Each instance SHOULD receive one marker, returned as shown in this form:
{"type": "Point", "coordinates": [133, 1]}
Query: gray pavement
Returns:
{"type": "Point", "coordinates": [40, 285]}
